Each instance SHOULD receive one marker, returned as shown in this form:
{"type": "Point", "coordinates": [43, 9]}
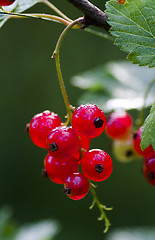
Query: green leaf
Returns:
{"type": "Point", "coordinates": [148, 134]}
{"type": "Point", "coordinates": [17, 7]}
{"type": "Point", "coordinates": [116, 85]}
{"type": "Point", "coordinates": [133, 25]}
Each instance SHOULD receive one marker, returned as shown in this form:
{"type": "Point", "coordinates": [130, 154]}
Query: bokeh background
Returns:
{"type": "Point", "coordinates": [29, 85]}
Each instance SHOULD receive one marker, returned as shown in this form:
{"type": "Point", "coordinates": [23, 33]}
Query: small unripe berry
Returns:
{"type": "Point", "coordinates": [88, 121]}
{"type": "Point", "coordinates": [63, 143]}
{"type": "Point", "coordinates": [58, 171]}
{"type": "Point", "coordinates": [119, 125]}
{"type": "Point", "coordinates": [40, 126]}
{"type": "Point", "coordinates": [124, 150]}
{"type": "Point", "coordinates": [97, 165]}
{"type": "Point", "coordinates": [76, 186]}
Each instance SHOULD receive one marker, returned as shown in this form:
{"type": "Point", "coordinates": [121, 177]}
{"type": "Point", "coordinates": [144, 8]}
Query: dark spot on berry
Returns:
{"type": "Point", "coordinates": [98, 122]}
{"type": "Point", "coordinates": [53, 147]}
{"type": "Point", "coordinates": [66, 190]}
{"type": "Point", "coordinates": [99, 168]}
{"type": "Point", "coordinates": [150, 175]}
{"type": "Point", "coordinates": [44, 173]}
{"type": "Point", "coordinates": [27, 127]}
{"type": "Point", "coordinates": [134, 135]}
{"type": "Point", "coordinates": [129, 153]}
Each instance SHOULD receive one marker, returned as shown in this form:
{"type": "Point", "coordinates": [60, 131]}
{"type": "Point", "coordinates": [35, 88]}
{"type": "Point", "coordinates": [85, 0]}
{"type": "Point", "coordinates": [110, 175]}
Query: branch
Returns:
{"type": "Point", "coordinates": [92, 14]}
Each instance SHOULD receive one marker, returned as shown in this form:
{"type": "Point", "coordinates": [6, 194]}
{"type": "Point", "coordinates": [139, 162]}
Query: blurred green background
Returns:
{"type": "Point", "coordinates": [29, 85]}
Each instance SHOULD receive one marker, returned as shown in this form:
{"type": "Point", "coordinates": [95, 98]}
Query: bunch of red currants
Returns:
{"type": "Point", "coordinates": [126, 145]}
{"type": "Point", "coordinates": [68, 147]}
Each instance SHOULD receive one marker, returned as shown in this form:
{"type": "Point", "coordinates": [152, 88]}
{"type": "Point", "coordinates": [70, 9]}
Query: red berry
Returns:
{"type": "Point", "coordinates": [148, 152]}
{"type": "Point", "coordinates": [76, 186]}
{"type": "Point", "coordinates": [58, 171]}
{"type": "Point", "coordinates": [63, 143]}
{"type": "Point", "coordinates": [88, 120]}
{"type": "Point", "coordinates": [119, 125]}
{"type": "Point", "coordinates": [6, 2]}
{"type": "Point", "coordinates": [97, 165]}
{"type": "Point", "coordinates": [149, 171]}
{"type": "Point", "coordinates": [40, 126]}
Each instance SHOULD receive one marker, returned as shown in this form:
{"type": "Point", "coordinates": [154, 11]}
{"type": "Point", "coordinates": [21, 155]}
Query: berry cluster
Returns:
{"type": "Point", "coordinates": [68, 147]}
{"type": "Point", "coordinates": [126, 145]}
{"type": "Point", "coordinates": [6, 2]}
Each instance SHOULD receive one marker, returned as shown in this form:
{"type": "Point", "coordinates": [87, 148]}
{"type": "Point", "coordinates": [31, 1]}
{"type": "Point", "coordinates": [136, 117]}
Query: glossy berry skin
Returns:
{"type": "Point", "coordinates": [63, 143]}
{"type": "Point", "coordinates": [40, 126]}
{"type": "Point", "coordinates": [124, 150]}
{"type": "Point", "coordinates": [149, 171]}
{"type": "Point", "coordinates": [88, 121]}
{"type": "Point", "coordinates": [58, 171]}
{"type": "Point", "coordinates": [148, 152]}
{"type": "Point", "coordinates": [97, 165]}
{"type": "Point", "coordinates": [119, 125]}
{"type": "Point", "coordinates": [76, 186]}
{"type": "Point", "coordinates": [6, 2]}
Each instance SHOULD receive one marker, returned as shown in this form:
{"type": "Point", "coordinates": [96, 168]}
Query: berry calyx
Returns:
{"type": "Point", "coordinates": [149, 171]}
{"type": "Point", "coordinates": [97, 165]}
{"type": "Point", "coordinates": [119, 125]}
{"type": "Point", "coordinates": [76, 186]}
{"type": "Point", "coordinates": [40, 126]}
{"type": "Point", "coordinates": [148, 152]}
{"type": "Point", "coordinates": [6, 2]}
{"type": "Point", "coordinates": [58, 171]}
{"type": "Point", "coordinates": [88, 121]}
{"type": "Point", "coordinates": [63, 143]}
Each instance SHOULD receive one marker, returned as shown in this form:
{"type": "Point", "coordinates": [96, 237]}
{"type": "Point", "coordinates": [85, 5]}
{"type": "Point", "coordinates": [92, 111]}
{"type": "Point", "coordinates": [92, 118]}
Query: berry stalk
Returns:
{"type": "Point", "coordinates": [57, 60]}
{"type": "Point", "coordinates": [100, 207]}
{"type": "Point", "coordinates": [49, 4]}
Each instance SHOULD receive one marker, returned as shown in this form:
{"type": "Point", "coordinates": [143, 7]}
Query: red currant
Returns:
{"type": "Point", "coordinates": [40, 126]}
{"type": "Point", "coordinates": [76, 186]}
{"type": "Point", "coordinates": [119, 125]}
{"type": "Point", "coordinates": [6, 2]}
{"type": "Point", "coordinates": [58, 171]}
{"type": "Point", "coordinates": [63, 143]}
{"type": "Point", "coordinates": [97, 165]}
{"type": "Point", "coordinates": [148, 152]}
{"type": "Point", "coordinates": [88, 120]}
{"type": "Point", "coordinates": [149, 171]}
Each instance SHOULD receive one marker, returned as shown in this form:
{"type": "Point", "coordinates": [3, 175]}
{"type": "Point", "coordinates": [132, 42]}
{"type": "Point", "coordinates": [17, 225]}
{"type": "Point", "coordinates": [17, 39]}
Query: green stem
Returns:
{"type": "Point", "coordinates": [100, 34]}
{"type": "Point", "coordinates": [57, 59]}
{"type": "Point", "coordinates": [100, 207]}
{"type": "Point", "coordinates": [49, 4]}
{"type": "Point", "coordinates": [47, 17]}
{"type": "Point", "coordinates": [141, 112]}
